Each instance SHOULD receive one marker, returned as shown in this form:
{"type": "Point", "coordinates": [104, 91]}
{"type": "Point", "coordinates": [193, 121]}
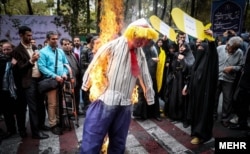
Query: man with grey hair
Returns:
{"type": "Point", "coordinates": [243, 103]}
{"type": "Point", "coordinates": [230, 62]}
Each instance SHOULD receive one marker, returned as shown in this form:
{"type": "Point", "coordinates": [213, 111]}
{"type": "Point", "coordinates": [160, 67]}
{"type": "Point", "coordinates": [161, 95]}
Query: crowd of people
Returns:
{"type": "Point", "coordinates": [189, 76]}
{"type": "Point", "coordinates": [196, 74]}
{"type": "Point", "coordinates": [22, 68]}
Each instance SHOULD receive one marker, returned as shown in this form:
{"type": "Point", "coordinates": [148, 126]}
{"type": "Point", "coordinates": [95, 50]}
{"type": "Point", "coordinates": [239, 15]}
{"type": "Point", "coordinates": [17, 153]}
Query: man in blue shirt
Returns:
{"type": "Point", "coordinates": [48, 67]}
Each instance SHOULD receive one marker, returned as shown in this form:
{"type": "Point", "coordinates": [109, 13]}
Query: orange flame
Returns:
{"type": "Point", "coordinates": [134, 97]}
{"type": "Point", "coordinates": [110, 26]}
{"type": "Point", "coordinates": [111, 20]}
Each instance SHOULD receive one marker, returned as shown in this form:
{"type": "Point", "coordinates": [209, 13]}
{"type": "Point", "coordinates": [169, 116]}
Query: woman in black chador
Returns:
{"type": "Point", "coordinates": [202, 90]}
{"type": "Point", "coordinates": [179, 72]}
{"type": "Point", "coordinates": [142, 109]}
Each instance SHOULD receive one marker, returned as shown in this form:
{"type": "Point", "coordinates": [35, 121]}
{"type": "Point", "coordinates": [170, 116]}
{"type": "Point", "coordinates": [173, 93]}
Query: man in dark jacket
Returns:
{"type": "Point", "coordinates": [243, 102]}
{"type": "Point", "coordinates": [75, 67]}
{"type": "Point", "coordinates": [27, 77]}
{"type": "Point", "coordinates": [85, 59]}
{"type": "Point", "coordinates": [7, 91]}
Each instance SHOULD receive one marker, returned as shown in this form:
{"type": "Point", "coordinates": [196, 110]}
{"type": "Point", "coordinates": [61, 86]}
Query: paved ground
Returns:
{"type": "Point", "coordinates": [145, 137]}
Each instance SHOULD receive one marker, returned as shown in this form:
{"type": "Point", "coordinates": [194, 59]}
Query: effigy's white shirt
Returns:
{"type": "Point", "coordinates": [121, 82]}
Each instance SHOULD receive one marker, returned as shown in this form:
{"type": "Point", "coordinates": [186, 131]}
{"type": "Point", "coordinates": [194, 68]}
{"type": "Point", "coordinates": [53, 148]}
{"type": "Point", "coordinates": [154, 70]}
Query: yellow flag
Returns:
{"type": "Point", "coordinates": [190, 25]}
{"type": "Point", "coordinates": [162, 27]}
{"type": "Point", "coordinates": [160, 69]}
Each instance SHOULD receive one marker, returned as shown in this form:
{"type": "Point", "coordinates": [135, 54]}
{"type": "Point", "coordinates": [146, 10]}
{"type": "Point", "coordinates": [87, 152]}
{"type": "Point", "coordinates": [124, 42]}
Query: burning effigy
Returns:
{"type": "Point", "coordinates": [111, 77]}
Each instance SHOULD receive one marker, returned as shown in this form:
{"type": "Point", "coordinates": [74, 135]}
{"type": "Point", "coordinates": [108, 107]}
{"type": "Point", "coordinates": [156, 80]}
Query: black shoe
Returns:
{"type": "Point", "coordinates": [72, 117]}
{"type": "Point", "coordinates": [172, 120]}
{"type": "Point", "coordinates": [80, 113]}
{"type": "Point", "coordinates": [225, 124]}
{"type": "Point", "coordinates": [1, 118]}
{"type": "Point", "coordinates": [40, 135]}
{"type": "Point", "coordinates": [2, 132]}
{"type": "Point", "coordinates": [139, 118]}
{"type": "Point", "coordinates": [248, 134]}
{"type": "Point", "coordinates": [185, 124]}
{"type": "Point", "coordinates": [6, 135]}
{"type": "Point", "coordinates": [85, 108]}
{"type": "Point", "coordinates": [56, 130]}
{"type": "Point", "coordinates": [9, 134]}
{"type": "Point", "coordinates": [84, 112]}
{"type": "Point", "coordinates": [23, 134]}
{"type": "Point", "coordinates": [239, 127]}
{"type": "Point", "coordinates": [45, 128]}
{"type": "Point", "coordinates": [215, 118]}
{"type": "Point", "coordinates": [158, 119]}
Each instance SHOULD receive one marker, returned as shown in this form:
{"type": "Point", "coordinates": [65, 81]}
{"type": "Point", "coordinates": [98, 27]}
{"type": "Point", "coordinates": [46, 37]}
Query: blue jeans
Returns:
{"type": "Point", "coordinates": [102, 119]}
